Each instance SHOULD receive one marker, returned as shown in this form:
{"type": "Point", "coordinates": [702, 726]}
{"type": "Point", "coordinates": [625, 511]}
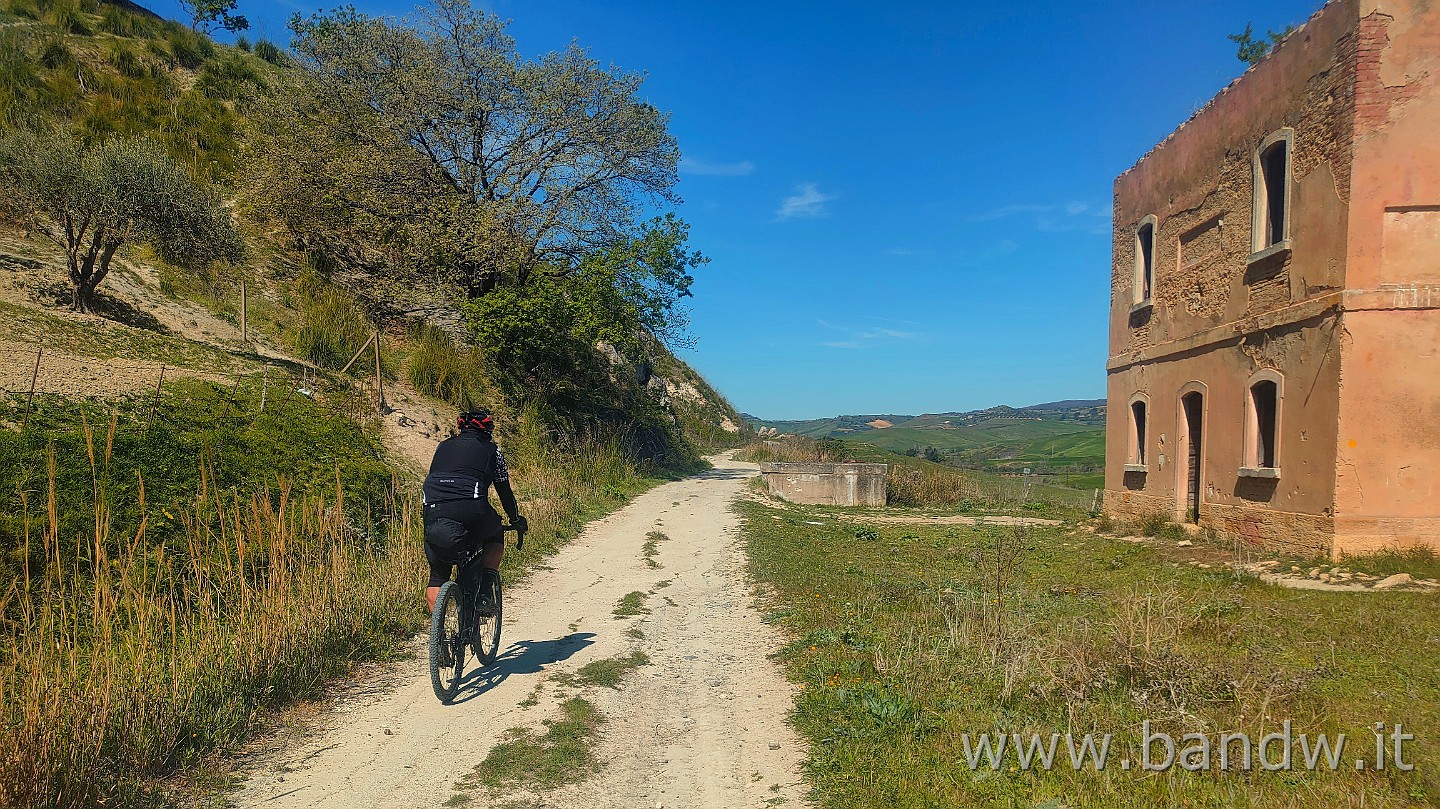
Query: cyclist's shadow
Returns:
{"type": "Point", "coordinates": [521, 657]}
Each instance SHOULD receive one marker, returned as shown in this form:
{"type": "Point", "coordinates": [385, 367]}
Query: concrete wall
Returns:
{"type": "Point", "coordinates": [1388, 444]}
{"type": "Point", "coordinates": [827, 484]}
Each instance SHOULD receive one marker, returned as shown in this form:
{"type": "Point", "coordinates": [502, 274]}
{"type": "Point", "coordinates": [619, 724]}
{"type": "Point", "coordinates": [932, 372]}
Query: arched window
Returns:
{"type": "Point", "coordinates": [1145, 260]}
{"type": "Point", "coordinates": [1137, 457]}
{"type": "Point", "coordinates": [1263, 399]}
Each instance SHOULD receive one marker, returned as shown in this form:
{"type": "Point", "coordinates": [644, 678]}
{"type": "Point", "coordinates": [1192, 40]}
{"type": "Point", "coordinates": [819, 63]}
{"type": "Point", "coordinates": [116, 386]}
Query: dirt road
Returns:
{"type": "Point", "coordinates": [702, 726]}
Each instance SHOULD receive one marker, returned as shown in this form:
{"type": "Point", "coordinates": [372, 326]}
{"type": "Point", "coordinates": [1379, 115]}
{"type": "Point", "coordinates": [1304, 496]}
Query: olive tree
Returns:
{"type": "Point", "coordinates": [460, 151]}
{"type": "Point", "coordinates": [92, 200]}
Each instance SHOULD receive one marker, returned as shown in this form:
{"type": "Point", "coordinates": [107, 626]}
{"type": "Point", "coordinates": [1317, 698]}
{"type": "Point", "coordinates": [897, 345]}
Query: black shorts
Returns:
{"type": "Point", "coordinates": [482, 527]}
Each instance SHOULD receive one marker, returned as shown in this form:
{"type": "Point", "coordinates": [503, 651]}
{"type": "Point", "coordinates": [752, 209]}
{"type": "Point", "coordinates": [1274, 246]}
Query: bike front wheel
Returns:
{"type": "Point", "coordinates": [485, 641]}
{"type": "Point", "coordinates": [447, 646]}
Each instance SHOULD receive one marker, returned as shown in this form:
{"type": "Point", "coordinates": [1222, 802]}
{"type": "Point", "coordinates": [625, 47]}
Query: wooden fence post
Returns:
{"type": "Point", "coordinates": [156, 401]}
{"type": "Point", "coordinates": [379, 383]}
{"type": "Point", "coordinates": [33, 378]}
{"type": "Point", "coordinates": [368, 340]}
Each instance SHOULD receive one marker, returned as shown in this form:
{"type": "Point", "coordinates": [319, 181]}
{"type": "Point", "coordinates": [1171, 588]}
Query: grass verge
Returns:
{"type": "Point", "coordinates": [169, 587]}
{"type": "Point", "coordinates": [906, 644]}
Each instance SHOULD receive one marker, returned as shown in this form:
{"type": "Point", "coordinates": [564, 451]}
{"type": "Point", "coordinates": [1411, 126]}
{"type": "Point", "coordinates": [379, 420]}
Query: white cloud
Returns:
{"type": "Point", "coordinates": [690, 165]}
{"type": "Point", "coordinates": [862, 335]}
{"type": "Point", "coordinates": [807, 202]}
{"type": "Point", "coordinates": [1060, 217]}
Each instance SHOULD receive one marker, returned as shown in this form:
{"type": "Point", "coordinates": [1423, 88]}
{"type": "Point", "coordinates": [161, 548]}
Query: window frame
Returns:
{"type": "Point", "coordinates": [1252, 465]}
{"type": "Point", "coordinates": [1262, 247]}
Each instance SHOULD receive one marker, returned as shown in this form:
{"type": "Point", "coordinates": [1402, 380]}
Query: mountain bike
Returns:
{"type": "Point", "coordinates": [460, 622]}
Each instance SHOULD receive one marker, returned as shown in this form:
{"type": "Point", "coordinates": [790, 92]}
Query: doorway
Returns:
{"type": "Point", "coordinates": [1192, 405]}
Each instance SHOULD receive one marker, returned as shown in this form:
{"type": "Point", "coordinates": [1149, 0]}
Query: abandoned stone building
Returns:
{"type": "Point", "coordinates": [1274, 364]}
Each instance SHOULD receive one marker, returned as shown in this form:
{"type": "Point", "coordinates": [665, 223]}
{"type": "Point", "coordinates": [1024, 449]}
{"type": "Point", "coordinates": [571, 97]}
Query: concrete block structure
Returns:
{"type": "Point", "coordinates": [827, 484]}
{"type": "Point", "coordinates": [1274, 363]}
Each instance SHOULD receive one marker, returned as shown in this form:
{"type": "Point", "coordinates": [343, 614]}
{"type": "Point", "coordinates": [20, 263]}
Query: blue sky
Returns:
{"type": "Point", "coordinates": [907, 205]}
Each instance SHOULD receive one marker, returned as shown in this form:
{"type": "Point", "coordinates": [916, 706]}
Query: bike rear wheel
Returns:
{"type": "Point", "coordinates": [485, 641]}
{"type": "Point", "coordinates": [447, 645]}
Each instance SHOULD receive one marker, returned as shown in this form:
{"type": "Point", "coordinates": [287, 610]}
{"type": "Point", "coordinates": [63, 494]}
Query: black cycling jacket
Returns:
{"type": "Point", "coordinates": [465, 467]}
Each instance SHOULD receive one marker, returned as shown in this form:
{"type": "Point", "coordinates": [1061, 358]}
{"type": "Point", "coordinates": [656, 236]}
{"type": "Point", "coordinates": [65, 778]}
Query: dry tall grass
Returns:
{"type": "Point", "coordinates": [129, 669]}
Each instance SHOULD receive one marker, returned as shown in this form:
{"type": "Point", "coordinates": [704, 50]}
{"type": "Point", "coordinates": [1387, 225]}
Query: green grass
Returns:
{"type": "Point", "coordinates": [214, 563]}
{"type": "Point", "coordinates": [903, 644]}
{"type": "Point", "coordinates": [651, 549]}
{"type": "Point", "coordinates": [109, 340]}
{"type": "Point", "coordinates": [610, 671]}
{"type": "Point", "coordinates": [563, 754]}
{"type": "Point", "coordinates": [631, 604]}
{"type": "Point", "coordinates": [1003, 444]}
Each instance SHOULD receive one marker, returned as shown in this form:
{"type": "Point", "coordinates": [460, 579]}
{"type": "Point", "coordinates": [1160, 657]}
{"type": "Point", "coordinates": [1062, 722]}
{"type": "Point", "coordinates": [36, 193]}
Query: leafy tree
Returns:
{"type": "Point", "coordinates": [1249, 49]}
{"type": "Point", "coordinates": [458, 152]}
{"type": "Point", "coordinates": [209, 16]}
{"type": "Point", "coordinates": [90, 201]}
{"type": "Point", "coordinates": [932, 454]}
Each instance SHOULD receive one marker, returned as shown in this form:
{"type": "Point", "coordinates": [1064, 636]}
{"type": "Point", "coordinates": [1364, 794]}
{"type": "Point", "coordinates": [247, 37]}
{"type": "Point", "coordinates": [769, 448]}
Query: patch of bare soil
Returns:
{"type": "Point", "coordinates": [703, 725]}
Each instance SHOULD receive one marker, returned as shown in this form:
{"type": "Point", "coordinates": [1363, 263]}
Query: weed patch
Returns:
{"type": "Point", "coordinates": [564, 754]}
{"type": "Point", "coordinates": [630, 604]}
{"type": "Point", "coordinates": [651, 548]}
{"type": "Point", "coordinates": [611, 670]}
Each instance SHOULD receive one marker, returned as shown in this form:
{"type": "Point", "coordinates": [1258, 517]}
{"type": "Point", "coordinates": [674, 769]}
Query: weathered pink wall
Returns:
{"type": "Point", "coordinates": [1388, 471]}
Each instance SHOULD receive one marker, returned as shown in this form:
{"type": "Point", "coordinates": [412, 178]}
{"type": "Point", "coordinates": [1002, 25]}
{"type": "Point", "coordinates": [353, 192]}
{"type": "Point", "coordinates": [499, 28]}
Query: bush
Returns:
{"type": "Point", "coordinates": [332, 324]}
{"type": "Point", "coordinates": [56, 56]}
{"type": "Point", "coordinates": [229, 79]}
{"type": "Point", "coordinates": [189, 49]}
{"type": "Point", "coordinates": [438, 367]}
{"type": "Point", "coordinates": [266, 50]}
{"type": "Point", "coordinates": [242, 43]}
{"type": "Point", "coordinates": [66, 16]}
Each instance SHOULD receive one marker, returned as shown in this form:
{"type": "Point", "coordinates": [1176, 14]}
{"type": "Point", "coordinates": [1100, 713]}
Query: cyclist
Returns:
{"type": "Point", "coordinates": [457, 512]}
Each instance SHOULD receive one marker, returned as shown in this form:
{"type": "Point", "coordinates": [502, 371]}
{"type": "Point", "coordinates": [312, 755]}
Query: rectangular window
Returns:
{"type": "Point", "coordinates": [1262, 401]}
{"type": "Point", "coordinates": [1274, 176]}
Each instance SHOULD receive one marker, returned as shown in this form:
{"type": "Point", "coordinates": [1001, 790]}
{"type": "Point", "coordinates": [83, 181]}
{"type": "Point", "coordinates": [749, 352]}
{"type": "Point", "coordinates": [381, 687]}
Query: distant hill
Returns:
{"type": "Point", "coordinates": [1081, 411]}
{"type": "Point", "coordinates": [1064, 438]}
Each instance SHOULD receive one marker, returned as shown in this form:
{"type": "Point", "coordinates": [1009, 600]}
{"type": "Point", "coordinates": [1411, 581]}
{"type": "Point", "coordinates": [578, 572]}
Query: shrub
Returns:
{"type": "Point", "coordinates": [128, 62]}
{"type": "Point", "coordinates": [438, 367]}
{"type": "Point", "coordinates": [332, 326]}
{"type": "Point", "coordinates": [65, 15]}
{"type": "Point", "coordinates": [229, 79]}
{"type": "Point", "coordinates": [189, 49]}
{"type": "Point", "coordinates": [242, 43]}
{"type": "Point", "coordinates": [56, 55]}
{"type": "Point", "coordinates": [266, 50]}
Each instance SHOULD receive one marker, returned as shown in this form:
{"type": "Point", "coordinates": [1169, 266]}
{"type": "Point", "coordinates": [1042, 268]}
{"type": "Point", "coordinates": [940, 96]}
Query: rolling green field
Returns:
{"type": "Point", "coordinates": [1063, 441]}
